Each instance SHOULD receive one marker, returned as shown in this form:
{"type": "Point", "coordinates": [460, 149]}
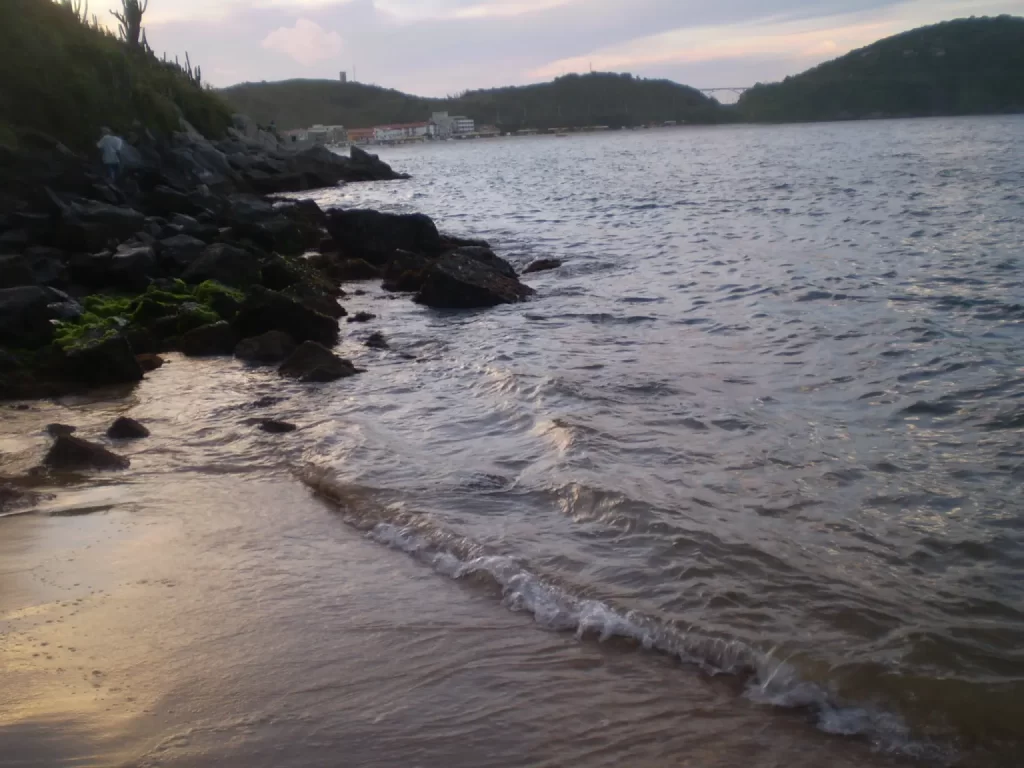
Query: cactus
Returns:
{"type": "Point", "coordinates": [130, 20]}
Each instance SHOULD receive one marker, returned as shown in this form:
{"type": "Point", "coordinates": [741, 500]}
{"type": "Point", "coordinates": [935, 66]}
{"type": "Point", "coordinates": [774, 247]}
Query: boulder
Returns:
{"type": "Point", "coordinates": [488, 258]}
{"type": "Point", "coordinates": [15, 271]}
{"type": "Point", "coordinates": [149, 362]}
{"type": "Point", "coordinates": [370, 167]}
{"type": "Point", "coordinates": [105, 360]}
{"type": "Point", "coordinates": [269, 348]}
{"type": "Point", "coordinates": [312, 362]}
{"type": "Point", "coordinates": [187, 225]}
{"type": "Point", "coordinates": [375, 236]}
{"type": "Point", "coordinates": [377, 341]}
{"type": "Point", "coordinates": [351, 270]}
{"type": "Point", "coordinates": [132, 267]}
{"type": "Point", "coordinates": [73, 453]}
{"type": "Point", "coordinates": [25, 317]}
{"type": "Point", "coordinates": [38, 265]}
{"type": "Point", "coordinates": [165, 201]}
{"type": "Point", "coordinates": [275, 427]}
{"type": "Point", "coordinates": [209, 340]}
{"type": "Point", "coordinates": [362, 317]}
{"type": "Point", "coordinates": [226, 264]}
{"type": "Point", "coordinates": [542, 265]}
{"type": "Point", "coordinates": [55, 430]}
{"type": "Point", "coordinates": [178, 252]}
{"type": "Point", "coordinates": [461, 281]}
{"type": "Point", "coordinates": [125, 428]}
{"type": "Point", "coordinates": [264, 310]}
{"type": "Point", "coordinates": [91, 226]}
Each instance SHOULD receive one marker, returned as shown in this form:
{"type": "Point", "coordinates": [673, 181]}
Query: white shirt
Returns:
{"type": "Point", "coordinates": [110, 145]}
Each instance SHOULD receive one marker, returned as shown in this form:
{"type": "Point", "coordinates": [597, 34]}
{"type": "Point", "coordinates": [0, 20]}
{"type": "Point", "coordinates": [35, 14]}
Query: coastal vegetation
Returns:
{"type": "Point", "coordinates": [65, 76]}
{"type": "Point", "coordinates": [571, 101]}
{"type": "Point", "coordinates": [964, 67]}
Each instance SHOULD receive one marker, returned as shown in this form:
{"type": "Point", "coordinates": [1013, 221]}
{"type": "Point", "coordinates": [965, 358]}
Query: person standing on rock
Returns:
{"type": "Point", "coordinates": [110, 147]}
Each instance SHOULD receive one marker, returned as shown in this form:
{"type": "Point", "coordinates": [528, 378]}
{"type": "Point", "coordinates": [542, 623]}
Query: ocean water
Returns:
{"type": "Point", "coordinates": [740, 485]}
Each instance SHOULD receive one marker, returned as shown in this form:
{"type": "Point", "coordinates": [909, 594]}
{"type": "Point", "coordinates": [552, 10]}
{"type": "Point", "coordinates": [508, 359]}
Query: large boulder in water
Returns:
{"type": "Point", "coordinates": [264, 310]}
{"type": "Point", "coordinates": [367, 167]}
{"type": "Point", "coordinates": [209, 340]}
{"type": "Point", "coordinates": [462, 281]}
{"type": "Point", "coordinates": [542, 265]}
{"type": "Point", "coordinates": [375, 236]}
{"type": "Point", "coordinates": [109, 359]}
{"type": "Point", "coordinates": [267, 349]}
{"type": "Point", "coordinates": [488, 258]}
{"type": "Point", "coordinates": [313, 362]}
{"type": "Point", "coordinates": [25, 316]}
{"type": "Point", "coordinates": [73, 453]}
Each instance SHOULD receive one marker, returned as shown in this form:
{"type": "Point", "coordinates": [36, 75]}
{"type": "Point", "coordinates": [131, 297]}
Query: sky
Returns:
{"type": "Point", "coordinates": [443, 47]}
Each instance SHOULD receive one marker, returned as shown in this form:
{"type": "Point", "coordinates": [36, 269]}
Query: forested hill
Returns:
{"type": "Point", "coordinates": [963, 67]}
{"type": "Point", "coordinates": [569, 101]}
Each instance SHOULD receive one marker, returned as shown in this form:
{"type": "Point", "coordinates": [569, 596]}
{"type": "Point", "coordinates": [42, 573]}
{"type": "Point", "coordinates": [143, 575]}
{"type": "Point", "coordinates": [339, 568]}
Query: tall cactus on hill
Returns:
{"type": "Point", "coordinates": [129, 20]}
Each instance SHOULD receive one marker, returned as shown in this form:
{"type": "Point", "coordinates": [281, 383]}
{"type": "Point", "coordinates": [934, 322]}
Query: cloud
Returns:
{"type": "Point", "coordinates": [307, 42]}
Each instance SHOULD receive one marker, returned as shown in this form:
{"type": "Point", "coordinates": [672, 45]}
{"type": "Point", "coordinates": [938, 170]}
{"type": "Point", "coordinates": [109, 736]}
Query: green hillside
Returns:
{"type": "Point", "coordinates": [63, 78]}
{"type": "Point", "coordinates": [570, 101]}
{"type": "Point", "coordinates": [963, 67]}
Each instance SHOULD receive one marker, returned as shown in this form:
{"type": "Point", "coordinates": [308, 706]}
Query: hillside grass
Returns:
{"type": "Point", "coordinates": [64, 80]}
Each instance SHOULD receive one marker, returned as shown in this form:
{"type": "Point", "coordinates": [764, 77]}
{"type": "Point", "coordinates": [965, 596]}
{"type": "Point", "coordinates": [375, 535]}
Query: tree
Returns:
{"type": "Point", "coordinates": [130, 20]}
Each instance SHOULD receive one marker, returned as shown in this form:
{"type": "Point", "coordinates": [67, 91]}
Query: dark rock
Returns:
{"type": "Point", "coordinates": [451, 242]}
{"type": "Point", "coordinates": [377, 341]}
{"type": "Point", "coordinates": [461, 281]}
{"type": "Point", "coordinates": [275, 427]}
{"type": "Point", "coordinates": [54, 430]}
{"type": "Point", "coordinates": [17, 499]}
{"type": "Point", "coordinates": [226, 264]}
{"type": "Point", "coordinates": [209, 340]}
{"type": "Point", "coordinates": [91, 226]}
{"type": "Point", "coordinates": [180, 251]}
{"type": "Point", "coordinates": [375, 236]}
{"type": "Point", "coordinates": [132, 266]}
{"type": "Point", "coordinates": [74, 453]}
{"type": "Point", "coordinates": [149, 362]}
{"type": "Point", "coordinates": [325, 305]}
{"type": "Point", "coordinates": [36, 266]}
{"type": "Point", "coordinates": [407, 282]}
{"type": "Point", "coordinates": [105, 360]}
{"type": "Point", "coordinates": [15, 272]}
{"type": "Point", "coordinates": [488, 258]}
{"type": "Point", "coordinates": [351, 270]}
{"type": "Point", "coordinates": [125, 428]}
{"type": "Point", "coordinates": [542, 265]}
{"type": "Point", "coordinates": [264, 310]}
{"type": "Point", "coordinates": [312, 362]}
{"type": "Point", "coordinates": [269, 348]}
{"type": "Point", "coordinates": [371, 167]}
{"type": "Point", "coordinates": [165, 201]}
{"type": "Point", "coordinates": [187, 225]}
{"type": "Point", "coordinates": [362, 317]}
{"type": "Point", "coordinates": [25, 317]}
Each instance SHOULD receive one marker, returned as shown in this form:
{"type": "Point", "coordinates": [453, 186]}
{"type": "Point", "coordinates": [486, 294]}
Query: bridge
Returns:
{"type": "Point", "coordinates": [738, 90]}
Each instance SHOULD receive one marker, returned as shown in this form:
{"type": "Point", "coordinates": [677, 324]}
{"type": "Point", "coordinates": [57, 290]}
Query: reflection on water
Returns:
{"type": "Point", "coordinates": [766, 421]}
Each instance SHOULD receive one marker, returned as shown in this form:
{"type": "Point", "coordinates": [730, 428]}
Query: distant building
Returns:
{"type": "Point", "coordinates": [399, 132]}
{"type": "Point", "coordinates": [360, 135]}
{"type": "Point", "coordinates": [326, 134]}
{"type": "Point", "coordinates": [446, 126]}
{"type": "Point", "coordinates": [343, 76]}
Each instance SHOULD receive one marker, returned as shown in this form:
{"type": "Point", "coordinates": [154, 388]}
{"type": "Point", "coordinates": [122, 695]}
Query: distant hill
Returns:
{"type": "Point", "coordinates": [963, 67]}
{"type": "Point", "coordinates": [569, 101]}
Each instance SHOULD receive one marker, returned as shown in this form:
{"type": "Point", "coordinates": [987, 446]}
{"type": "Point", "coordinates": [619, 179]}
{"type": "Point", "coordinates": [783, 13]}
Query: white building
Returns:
{"type": "Point", "coordinates": [399, 132]}
{"type": "Point", "coordinates": [464, 125]}
{"type": "Point", "coordinates": [446, 126]}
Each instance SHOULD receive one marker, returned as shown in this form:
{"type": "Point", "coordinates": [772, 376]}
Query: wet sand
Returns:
{"type": "Point", "coordinates": [225, 617]}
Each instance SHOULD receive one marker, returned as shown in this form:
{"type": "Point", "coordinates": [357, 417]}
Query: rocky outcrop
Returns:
{"type": "Point", "coordinates": [459, 280]}
{"type": "Point", "coordinates": [375, 236]}
{"type": "Point", "coordinates": [542, 265]}
{"type": "Point", "coordinates": [149, 362]}
{"type": "Point", "coordinates": [209, 340]}
{"type": "Point", "coordinates": [376, 340]}
{"type": "Point", "coordinates": [488, 258]}
{"type": "Point", "coordinates": [70, 453]}
{"type": "Point", "coordinates": [264, 310]}
{"type": "Point", "coordinates": [25, 317]}
{"type": "Point", "coordinates": [125, 428]}
{"type": "Point", "coordinates": [269, 348]}
{"type": "Point", "coordinates": [275, 427]}
{"type": "Point", "coordinates": [352, 270]}
{"type": "Point", "coordinates": [313, 362]}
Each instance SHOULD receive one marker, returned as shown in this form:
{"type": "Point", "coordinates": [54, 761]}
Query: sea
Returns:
{"type": "Point", "coordinates": [740, 485]}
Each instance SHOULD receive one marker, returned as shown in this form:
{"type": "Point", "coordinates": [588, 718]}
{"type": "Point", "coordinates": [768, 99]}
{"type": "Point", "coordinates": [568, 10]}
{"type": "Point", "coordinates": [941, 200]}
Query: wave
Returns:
{"type": "Point", "coordinates": [560, 607]}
